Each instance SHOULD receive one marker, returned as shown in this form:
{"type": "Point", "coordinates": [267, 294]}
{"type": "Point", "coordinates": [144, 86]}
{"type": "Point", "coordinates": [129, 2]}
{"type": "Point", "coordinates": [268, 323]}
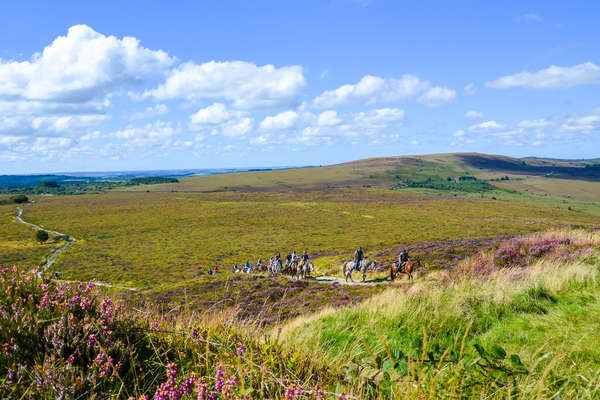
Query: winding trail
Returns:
{"type": "Point", "coordinates": [52, 257]}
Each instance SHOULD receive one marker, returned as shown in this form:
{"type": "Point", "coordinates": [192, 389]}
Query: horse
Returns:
{"type": "Point", "coordinates": [275, 267]}
{"type": "Point", "coordinates": [305, 268]}
{"type": "Point", "coordinates": [350, 266]}
{"type": "Point", "coordinates": [409, 268]}
{"type": "Point", "coordinates": [294, 271]}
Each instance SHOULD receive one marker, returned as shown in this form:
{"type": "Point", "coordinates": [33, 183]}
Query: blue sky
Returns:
{"type": "Point", "coordinates": [149, 85]}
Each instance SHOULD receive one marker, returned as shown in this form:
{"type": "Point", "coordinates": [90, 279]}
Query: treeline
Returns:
{"type": "Point", "coordinates": [468, 184]}
{"type": "Point", "coordinates": [56, 188]}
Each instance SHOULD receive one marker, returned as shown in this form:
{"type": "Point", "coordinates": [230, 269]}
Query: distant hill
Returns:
{"type": "Point", "coordinates": [437, 171]}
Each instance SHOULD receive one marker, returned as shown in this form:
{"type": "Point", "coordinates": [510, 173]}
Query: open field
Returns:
{"type": "Point", "coordinates": [149, 239]}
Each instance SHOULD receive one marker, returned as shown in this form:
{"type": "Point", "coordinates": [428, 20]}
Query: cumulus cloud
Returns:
{"type": "Point", "coordinates": [552, 77]}
{"type": "Point", "coordinates": [372, 89]}
{"type": "Point", "coordinates": [247, 85]}
{"type": "Point", "coordinates": [80, 66]}
{"type": "Point", "coordinates": [488, 126]}
{"type": "Point", "coordinates": [472, 114]}
{"type": "Point", "coordinates": [281, 121]}
{"type": "Point", "coordinates": [328, 118]}
{"type": "Point", "coordinates": [437, 96]}
{"type": "Point", "coordinates": [582, 123]}
{"type": "Point", "coordinates": [213, 114]}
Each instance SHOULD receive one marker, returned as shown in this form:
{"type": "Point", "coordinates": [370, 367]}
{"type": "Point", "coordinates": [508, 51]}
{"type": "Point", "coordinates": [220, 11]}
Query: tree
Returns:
{"type": "Point", "coordinates": [20, 198]}
{"type": "Point", "coordinates": [41, 236]}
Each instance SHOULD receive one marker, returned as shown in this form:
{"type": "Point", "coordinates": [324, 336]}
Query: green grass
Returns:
{"type": "Point", "coordinates": [148, 239]}
{"type": "Point", "coordinates": [548, 314]}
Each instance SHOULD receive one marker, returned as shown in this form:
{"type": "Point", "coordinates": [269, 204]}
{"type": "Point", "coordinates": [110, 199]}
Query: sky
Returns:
{"type": "Point", "coordinates": [101, 86]}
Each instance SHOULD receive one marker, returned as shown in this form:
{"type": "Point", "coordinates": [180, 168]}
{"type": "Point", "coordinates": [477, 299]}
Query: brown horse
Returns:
{"type": "Point", "coordinates": [409, 268]}
{"type": "Point", "coordinates": [294, 272]}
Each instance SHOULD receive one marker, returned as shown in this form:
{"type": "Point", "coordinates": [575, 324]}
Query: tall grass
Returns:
{"type": "Point", "coordinates": [545, 312]}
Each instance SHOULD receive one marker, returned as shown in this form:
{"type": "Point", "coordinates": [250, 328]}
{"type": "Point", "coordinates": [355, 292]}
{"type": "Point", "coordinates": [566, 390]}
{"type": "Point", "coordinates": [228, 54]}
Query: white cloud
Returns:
{"type": "Point", "coordinates": [281, 121]}
{"type": "Point", "coordinates": [237, 128]}
{"type": "Point", "coordinates": [534, 124]}
{"type": "Point", "coordinates": [488, 126]}
{"type": "Point", "coordinates": [382, 117]}
{"type": "Point", "coordinates": [328, 118]}
{"type": "Point", "coordinates": [459, 133]}
{"type": "Point", "coordinates": [151, 112]}
{"type": "Point", "coordinates": [551, 77]}
{"type": "Point", "coordinates": [216, 113]}
{"type": "Point", "coordinates": [249, 86]}
{"type": "Point", "coordinates": [372, 89]}
{"type": "Point", "coordinates": [158, 134]}
{"type": "Point", "coordinates": [529, 17]}
{"type": "Point", "coordinates": [583, 123]}
{"type": "Point", "coordinates": [470, 89]}
{"type": "Point", "coordinates": [437, 96]}
{"type": "Point", "coordinates": [471, 114]}
{"type": "Point", "coordinates": [80, 66]}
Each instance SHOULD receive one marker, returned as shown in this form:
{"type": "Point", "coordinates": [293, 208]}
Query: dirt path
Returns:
{"type": "Point", "coordinates": [342, 281]}
{"type": "Point", "coordinates": [52, 257]}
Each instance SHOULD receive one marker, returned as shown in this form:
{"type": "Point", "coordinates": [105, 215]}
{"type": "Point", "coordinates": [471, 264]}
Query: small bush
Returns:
{"type": "Point", "coordinates": [19, 199]}
{"type": "Point", "coordinates": [41, 236]}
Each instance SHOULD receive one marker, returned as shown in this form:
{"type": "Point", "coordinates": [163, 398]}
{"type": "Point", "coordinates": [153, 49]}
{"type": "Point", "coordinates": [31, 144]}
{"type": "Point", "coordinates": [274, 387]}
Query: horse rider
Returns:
{"type": "Point", "coordinates": [247, 267]}
{"type": "Point", "coordinates": [288, 259]}
{"type": "Point", "coordinates": [402, 258]}
{"type": "Point", "coordinates": [236, 268]}
{"type": "Point", "coordinates": [278, 256]}
{"type": "Point", "coordinates": [259, 263]}
{"type": "Point", "coordinates": [294, 257]}
{"type": "Point", "coordinates": [304, 257]}
{"type": "Point", "coordinates": [358, 256]}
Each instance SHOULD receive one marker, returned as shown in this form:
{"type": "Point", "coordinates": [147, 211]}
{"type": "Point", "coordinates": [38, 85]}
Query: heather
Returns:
{"type": "Point", "coordinates": [61, 341]}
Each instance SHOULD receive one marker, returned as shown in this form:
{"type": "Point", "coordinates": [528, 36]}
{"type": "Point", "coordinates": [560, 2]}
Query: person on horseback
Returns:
{"type": "Point", "coordinates": [358, 256]}
{"type": "Point", "coordinates": [278, 256]}
{"type": "Point", "coordinates": [402, 258]}
{"type": "Point", "coordinates": [288, 259]}
{"type": "Point", "coordinates": [304, 256]}
{"type": "Point", "coordinates": [294, 257]}
{"type": "Point", "coordinates": [247, 267]}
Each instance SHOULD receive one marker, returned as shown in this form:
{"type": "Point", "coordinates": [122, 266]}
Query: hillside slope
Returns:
{"type": "Point", "coordinates": [388, 171]}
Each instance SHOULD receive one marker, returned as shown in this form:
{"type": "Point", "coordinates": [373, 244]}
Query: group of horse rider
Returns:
{"type": "Point", "coordinates": [359, 255]}
{"type": "Point", "coordinates": [291, 258]}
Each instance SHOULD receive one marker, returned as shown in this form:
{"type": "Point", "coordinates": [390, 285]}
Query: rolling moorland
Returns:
{"type": "Point", "coordinates": [472, 220]}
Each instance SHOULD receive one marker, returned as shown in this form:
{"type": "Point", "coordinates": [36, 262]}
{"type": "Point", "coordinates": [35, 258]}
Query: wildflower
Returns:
{"type": "Point", "coordinates": [241, 349]}
{"type": "Point", "coordinates": [219, 379]}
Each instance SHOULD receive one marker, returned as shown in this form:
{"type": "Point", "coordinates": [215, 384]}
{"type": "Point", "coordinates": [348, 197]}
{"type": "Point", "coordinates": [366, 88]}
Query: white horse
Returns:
{"type": "Point", "coordinates": [275, 267]}
{"type": "Point", "coordinates": [305, 269]}
{"type": "Point", "coordinates": [350, 266]}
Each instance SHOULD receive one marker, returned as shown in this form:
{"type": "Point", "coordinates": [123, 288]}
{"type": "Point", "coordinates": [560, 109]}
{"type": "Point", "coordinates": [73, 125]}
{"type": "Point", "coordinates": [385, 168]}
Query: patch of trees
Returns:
{"type": "Point", "coordinates": [470, 185]}
{"type": "Point", "coordinates": [18, 199]}
{"type": "Point", "coordinates": [56, 188]}
{"type": "Point", "coordinates": [151, 180]}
